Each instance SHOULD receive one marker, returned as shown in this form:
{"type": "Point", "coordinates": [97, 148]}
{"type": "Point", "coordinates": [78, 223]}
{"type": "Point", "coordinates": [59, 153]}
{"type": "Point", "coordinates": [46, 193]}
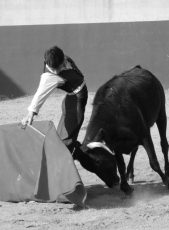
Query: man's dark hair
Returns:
{"type": "Point", "coordinates": [54, 57]}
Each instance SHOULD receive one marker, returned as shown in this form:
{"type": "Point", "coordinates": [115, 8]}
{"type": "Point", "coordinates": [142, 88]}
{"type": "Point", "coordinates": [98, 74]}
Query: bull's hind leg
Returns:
{"type": "Point", "coordinates": [162, 126]}
{"type": "Point", "coordinates": [130, 167]}
{"type": "Point", "coordinates": [148, 144]}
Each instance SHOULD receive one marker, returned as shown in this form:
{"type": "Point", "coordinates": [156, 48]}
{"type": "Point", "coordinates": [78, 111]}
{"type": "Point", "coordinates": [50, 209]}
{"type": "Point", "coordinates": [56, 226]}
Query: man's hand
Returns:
{"type": "Point", "coordinates": [28, 119]}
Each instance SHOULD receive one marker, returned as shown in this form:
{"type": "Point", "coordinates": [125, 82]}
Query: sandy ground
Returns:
{"type": "Point", "coordinates": [147, 208]}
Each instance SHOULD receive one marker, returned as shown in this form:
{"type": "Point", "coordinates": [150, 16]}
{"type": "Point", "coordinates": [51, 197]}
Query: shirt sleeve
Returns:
{"type": "Point", "coordinates": [48, 83]}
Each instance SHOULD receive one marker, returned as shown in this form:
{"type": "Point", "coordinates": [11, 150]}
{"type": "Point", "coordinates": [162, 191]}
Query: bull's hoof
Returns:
{"type": "Point", "coordinates": [131, 180]}
{"type": "Point", "coordinates": [127, 189]}
{"type": "Point", "coordinates": [129, 192]}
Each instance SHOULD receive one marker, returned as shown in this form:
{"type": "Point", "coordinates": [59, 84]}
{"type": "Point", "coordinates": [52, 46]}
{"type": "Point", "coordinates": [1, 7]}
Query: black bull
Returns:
{"type": "Point", "coordinates": [124, 109]}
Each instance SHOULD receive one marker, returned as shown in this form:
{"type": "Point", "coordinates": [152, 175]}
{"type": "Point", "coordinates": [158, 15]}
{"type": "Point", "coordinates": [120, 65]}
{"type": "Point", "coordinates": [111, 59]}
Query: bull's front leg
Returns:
{"type": "Point", "coordinates": [124, 186]}
{"type": "Point", "coordinates": [130, 167]}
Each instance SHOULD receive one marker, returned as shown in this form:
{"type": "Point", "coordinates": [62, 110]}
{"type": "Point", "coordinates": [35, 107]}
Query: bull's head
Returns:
{"type": "Point", "coordinates": [97, 157]}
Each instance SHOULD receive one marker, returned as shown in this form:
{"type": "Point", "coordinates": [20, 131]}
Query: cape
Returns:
{"type": "Point", "coordinates": [36, 165]}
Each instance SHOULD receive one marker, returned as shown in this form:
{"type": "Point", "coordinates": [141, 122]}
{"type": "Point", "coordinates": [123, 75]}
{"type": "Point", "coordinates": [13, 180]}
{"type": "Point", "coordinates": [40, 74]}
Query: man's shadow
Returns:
{"type": "Point", "coordinates": [8, 88]}
{"type": "Point", "coordinates": [100, 196]}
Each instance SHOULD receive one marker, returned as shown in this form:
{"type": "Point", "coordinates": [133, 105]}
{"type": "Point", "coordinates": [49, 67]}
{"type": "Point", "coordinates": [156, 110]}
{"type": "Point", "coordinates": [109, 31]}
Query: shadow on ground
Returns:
{"type": "Point", "coordinates": [8, 88]}
{"type": "Point", "coordinates": [100, 196]}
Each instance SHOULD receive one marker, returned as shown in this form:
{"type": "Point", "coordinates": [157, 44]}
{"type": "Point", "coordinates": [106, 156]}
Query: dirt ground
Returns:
{"type": "Point", "coordinates": [147, 208]}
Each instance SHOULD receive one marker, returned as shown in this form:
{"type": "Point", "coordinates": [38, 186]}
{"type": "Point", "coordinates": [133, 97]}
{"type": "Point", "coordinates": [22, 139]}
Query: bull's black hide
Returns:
{"type": "Point", "coordinates": [124, 109]}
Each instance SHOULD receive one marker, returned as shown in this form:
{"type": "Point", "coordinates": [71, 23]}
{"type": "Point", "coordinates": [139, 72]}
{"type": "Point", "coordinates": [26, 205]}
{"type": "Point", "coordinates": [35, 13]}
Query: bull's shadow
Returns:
{"type": "Point", "coordinates": [8, 88]}
{"type": "Point", "coordinates": [99, 196]}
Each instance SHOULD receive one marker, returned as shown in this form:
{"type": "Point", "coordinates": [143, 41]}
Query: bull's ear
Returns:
{"type": "Point", "coordinates": [93, 145]}
{"type": "Point", "coordinates": [100, 136]}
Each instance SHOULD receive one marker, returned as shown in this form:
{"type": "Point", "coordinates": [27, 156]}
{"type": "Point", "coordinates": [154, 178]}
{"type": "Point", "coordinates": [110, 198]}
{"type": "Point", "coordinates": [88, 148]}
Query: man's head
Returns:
{"type": "Point", "coordinates": [54, 57]}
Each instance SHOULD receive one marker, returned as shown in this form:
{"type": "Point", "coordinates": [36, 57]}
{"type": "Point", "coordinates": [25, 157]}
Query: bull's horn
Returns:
{"type": "Point", "coordinates": [93, 145]}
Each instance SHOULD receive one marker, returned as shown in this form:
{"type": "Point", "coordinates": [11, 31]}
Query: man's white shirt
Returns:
{"type": "Point", "coordinates": [48, 83]}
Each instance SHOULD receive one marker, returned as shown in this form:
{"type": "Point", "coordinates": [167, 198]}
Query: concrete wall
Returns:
{"type": "Point", "coordinates": [103, 37]}
{"type": "Point", "coordinates": [24, 12]}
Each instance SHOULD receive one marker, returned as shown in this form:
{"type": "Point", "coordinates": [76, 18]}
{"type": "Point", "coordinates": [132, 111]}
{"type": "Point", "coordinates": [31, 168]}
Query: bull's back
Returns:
{"type": "Point", "coordinates": [134, 93]}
